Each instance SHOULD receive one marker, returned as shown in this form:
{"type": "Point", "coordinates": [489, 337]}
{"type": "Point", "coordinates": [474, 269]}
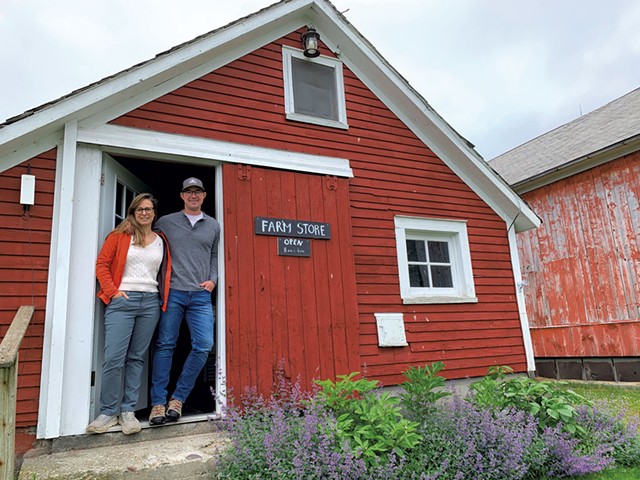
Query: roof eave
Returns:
{"type": "Point", "coordinates": [27, 128]}
{"type": "Point", "coordinates": [579, 165]}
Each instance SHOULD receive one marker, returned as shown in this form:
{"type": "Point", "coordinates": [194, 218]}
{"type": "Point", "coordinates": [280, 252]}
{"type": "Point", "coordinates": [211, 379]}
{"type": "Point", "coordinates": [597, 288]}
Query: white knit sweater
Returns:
{"type": "Point", "coordinates": [141, 269]}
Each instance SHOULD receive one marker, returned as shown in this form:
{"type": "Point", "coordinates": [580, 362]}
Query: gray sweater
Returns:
{"type": "Point", "coordinates": [194, 250]}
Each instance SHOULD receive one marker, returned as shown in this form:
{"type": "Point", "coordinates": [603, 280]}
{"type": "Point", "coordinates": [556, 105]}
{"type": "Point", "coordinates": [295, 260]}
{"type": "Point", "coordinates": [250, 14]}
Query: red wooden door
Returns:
{"type": "Point", "coordinates": [298, 310]}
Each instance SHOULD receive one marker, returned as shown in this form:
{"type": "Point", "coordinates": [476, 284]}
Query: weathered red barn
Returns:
{"type": "Point", "coordinates": [360, 231]}
{"type": "Point", "coordinates": [582, 266]}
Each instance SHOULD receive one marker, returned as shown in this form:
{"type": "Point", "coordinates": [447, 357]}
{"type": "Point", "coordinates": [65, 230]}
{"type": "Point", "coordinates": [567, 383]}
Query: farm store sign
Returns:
{"type": "Point", "coordinates": [282, 227]}
{"type": "Point", "coordinates": [293, 234]}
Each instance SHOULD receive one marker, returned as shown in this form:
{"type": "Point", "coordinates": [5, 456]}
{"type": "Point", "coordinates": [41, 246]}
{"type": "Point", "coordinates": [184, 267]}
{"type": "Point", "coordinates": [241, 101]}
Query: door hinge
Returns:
{"type": "Point", "coordinates": [102, 179]}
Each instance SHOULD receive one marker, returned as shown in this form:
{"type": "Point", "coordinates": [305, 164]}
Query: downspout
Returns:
{"type": "Point", "coordinates": [522, 311]}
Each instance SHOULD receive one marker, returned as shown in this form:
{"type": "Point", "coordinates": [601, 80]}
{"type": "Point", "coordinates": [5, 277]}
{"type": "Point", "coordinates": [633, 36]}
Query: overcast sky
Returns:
{"type": "Point", "coordinates": [501, 72]}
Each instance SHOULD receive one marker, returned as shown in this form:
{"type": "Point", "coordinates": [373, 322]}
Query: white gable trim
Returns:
{"type": "Point", "coordinates": [358, 54]}
{"type": "Point", "coordinates": [131, 88]}
{"type": "Point", "coordinates": [126, 140]}
{"type": "Point", "coordinates": [217, 60]}
{"type": "Point", "coordinates": [125, 91]}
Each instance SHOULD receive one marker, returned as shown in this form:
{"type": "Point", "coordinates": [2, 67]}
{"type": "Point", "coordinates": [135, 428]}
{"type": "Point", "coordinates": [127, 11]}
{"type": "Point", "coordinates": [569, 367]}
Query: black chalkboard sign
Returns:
{"type": "Point", "coordinates": [282, 227]}
{"type": "Point", "coordinates": [294, 247]}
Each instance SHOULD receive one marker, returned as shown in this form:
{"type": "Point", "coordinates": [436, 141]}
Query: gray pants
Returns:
{"type": "Point", "coordinates": [128, 328]}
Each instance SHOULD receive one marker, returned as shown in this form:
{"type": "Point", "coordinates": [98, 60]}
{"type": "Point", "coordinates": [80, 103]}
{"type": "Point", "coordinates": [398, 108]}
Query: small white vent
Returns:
{"type": "Point", "coordinates": [391, 330]}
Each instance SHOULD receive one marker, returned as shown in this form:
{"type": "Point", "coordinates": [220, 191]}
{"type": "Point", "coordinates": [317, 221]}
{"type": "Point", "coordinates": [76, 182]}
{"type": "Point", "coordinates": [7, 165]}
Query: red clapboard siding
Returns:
{"type": "Point", "coordinates": [24, 262]}
{"type": "Point", "coordinates": [589, 245]}
{"type": "Point", "coordinates": [298, 312]}
{"type": "Point", "coordinates": [395, 174]}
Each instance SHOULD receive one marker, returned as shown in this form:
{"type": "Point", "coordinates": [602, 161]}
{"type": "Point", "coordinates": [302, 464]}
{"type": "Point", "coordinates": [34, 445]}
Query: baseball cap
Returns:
{"type": "Point", "coordinates": [192, 182]}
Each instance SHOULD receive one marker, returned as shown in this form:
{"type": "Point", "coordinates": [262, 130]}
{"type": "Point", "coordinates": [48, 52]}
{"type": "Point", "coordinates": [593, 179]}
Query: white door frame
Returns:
{"type": "Point", "coordinates": [66, 395]}
{"type": "Point", "coordinates": [65, 386]}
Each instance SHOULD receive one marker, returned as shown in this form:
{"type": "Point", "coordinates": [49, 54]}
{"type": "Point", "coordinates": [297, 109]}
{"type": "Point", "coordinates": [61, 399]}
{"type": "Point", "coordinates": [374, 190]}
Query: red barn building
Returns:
{"type": "Point", "coordinates": [360, 231]}
{"type": "Point", "coordinates": [582, 266]}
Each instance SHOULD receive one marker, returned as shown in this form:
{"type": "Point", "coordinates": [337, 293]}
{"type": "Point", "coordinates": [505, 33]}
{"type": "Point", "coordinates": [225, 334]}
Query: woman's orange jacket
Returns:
{"type": "Point", "coordinates": [110, 267]}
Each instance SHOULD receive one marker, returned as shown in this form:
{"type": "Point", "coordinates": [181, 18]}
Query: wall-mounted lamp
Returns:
{"type": "Point", "coordinates": [310, 40]}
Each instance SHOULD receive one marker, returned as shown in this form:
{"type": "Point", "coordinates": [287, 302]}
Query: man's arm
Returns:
{"type": "Point", "coordinates": [213, 262]}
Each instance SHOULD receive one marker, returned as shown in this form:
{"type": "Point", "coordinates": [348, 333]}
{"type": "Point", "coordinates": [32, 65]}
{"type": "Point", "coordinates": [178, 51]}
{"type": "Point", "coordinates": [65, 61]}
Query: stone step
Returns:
{"type": "Point", "coordinates": [184, 452]}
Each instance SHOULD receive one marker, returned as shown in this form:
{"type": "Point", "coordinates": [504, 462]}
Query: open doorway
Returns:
{"type": "Point", "coordinates": [163, 179]}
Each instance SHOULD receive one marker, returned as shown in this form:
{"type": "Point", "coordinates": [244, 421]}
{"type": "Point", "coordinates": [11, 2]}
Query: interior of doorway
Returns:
{"type": "Point", "coordinates": [165, 180]}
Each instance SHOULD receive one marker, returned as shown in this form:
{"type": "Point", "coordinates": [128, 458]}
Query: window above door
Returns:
{"type": "Point", "coordinates": [313, 89]}
{"type": "Point", "coordinates": [434, 261]}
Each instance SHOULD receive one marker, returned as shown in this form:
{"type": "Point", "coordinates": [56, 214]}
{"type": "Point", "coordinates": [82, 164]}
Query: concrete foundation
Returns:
{"type": "Point", "coordinates": [608, 369]}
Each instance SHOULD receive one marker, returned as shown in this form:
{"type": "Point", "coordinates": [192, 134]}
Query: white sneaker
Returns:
{"type": "Point", "coordinates": [102, 423]}
{"type": "Point", "coordinates": [129, 422]}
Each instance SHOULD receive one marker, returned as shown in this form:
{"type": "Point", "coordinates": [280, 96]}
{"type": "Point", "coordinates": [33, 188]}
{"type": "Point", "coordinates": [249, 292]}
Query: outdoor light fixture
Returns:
{"type": "Point", "coordinates": [310, 43]}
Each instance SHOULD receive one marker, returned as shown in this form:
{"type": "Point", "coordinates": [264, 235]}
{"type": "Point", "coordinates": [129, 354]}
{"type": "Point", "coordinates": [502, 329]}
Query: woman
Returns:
{"type": "Point", "coordinates": [133, 269]}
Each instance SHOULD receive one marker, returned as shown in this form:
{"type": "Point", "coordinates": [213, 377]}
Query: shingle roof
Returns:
{"type": "Point", "coordinates": [605, 127]}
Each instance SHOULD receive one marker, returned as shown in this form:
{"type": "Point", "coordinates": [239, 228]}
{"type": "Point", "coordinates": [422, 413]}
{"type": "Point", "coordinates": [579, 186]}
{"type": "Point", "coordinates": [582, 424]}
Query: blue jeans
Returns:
{"type": "Point", "coordinates": [128, 329]}
{"type": "Point", "coordinates": [196, 308]}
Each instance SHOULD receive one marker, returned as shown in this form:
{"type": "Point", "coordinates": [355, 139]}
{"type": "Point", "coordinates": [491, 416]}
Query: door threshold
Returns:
{"type": "Point", "coordinates": [201, 417]}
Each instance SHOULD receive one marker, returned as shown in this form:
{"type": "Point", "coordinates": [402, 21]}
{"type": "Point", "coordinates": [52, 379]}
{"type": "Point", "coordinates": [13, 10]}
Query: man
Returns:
{"type": "Point", "coordinates": [193, 239]}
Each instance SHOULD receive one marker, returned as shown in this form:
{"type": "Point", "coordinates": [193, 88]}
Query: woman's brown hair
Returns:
{"type": "Point", "coordinates": [130, 225]}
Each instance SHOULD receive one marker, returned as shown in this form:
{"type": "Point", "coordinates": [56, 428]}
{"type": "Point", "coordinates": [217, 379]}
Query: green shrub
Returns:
{"type": "Point", "coordinates": [373, 424]}
{"type": "Point", "coordinates": [549, 402]}
{"type": "Point", "coordinates": [419, 396]}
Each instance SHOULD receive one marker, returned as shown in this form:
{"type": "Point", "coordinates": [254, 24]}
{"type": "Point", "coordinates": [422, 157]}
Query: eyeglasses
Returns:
{"type": "Point", "coordinates": [192, 193]}
{"type": "Point", "coordinates": [144, 210]}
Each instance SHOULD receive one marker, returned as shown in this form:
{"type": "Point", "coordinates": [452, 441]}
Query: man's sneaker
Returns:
{"type": "Point", "coordinates": [156, 417]}
{"type": "Point", "coordinates": [129, 422]}
{"type": "Point", "coordinates": [102, 423]}
{"type": "Point", "coordinates": [174, 410]}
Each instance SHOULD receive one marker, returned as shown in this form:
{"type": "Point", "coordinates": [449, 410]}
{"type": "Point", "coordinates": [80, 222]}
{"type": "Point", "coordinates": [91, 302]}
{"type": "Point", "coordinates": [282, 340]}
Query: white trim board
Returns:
{"type": "Point", "coordinates": [126, 140]}
{"type": "Point", "coordinates": [66, 366]}
{"type": "Point", "coordinates": [520, 299]}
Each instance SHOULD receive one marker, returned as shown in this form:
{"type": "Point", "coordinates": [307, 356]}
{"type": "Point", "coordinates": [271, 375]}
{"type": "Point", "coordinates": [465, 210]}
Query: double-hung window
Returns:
{"type": "Point", "coordinates": [314, 89]}
{"type": "Point", "coordinates": [434, 261]}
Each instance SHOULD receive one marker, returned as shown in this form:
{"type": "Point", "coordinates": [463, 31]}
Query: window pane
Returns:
{"type": "Point", "coordinates": [416, 251]}
{"type": "Point", "coordinates": [441, 276]}
{"type": "Point", "coordinates": [439, 252]}
{"type": "Point", "coordinates": [418, 276]}
{"type": "Point", "coordinates": [314, 89]}
{"type": "Point", "coordinates": [119, 196]}
{"type": "Point", "coordinates": [130, 195]}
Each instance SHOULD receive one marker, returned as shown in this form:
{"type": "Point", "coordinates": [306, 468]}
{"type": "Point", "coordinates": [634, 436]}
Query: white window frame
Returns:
{"type": "Point", "coordinates": [289, 105]}
{"type": "Point", "coordinates": [454, 232]}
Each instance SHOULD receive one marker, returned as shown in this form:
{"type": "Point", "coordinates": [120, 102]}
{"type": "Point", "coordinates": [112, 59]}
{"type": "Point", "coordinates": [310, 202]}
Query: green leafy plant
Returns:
{"type": "Point", "coordinates": [372, 424]}
{"type": "Point", "coordinates": [419, 390]}
{"type": "Point", "coordinates": [339, 395]}
{"type": "Point", "coordinates": [549, 402]}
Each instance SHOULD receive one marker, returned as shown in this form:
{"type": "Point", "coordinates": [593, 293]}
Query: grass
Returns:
{"type": "Point", "coordinates": [620, 396]}
{"type": "Point", "coordinates": [613, 474]}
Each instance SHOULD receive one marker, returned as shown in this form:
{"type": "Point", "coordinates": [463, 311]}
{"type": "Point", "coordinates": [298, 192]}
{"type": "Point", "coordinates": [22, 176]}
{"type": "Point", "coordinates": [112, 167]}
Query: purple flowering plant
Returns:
{"type": "Point", "coordinates": [322, 434]}
{"type": "Point", "coordinates": [284, 437]}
